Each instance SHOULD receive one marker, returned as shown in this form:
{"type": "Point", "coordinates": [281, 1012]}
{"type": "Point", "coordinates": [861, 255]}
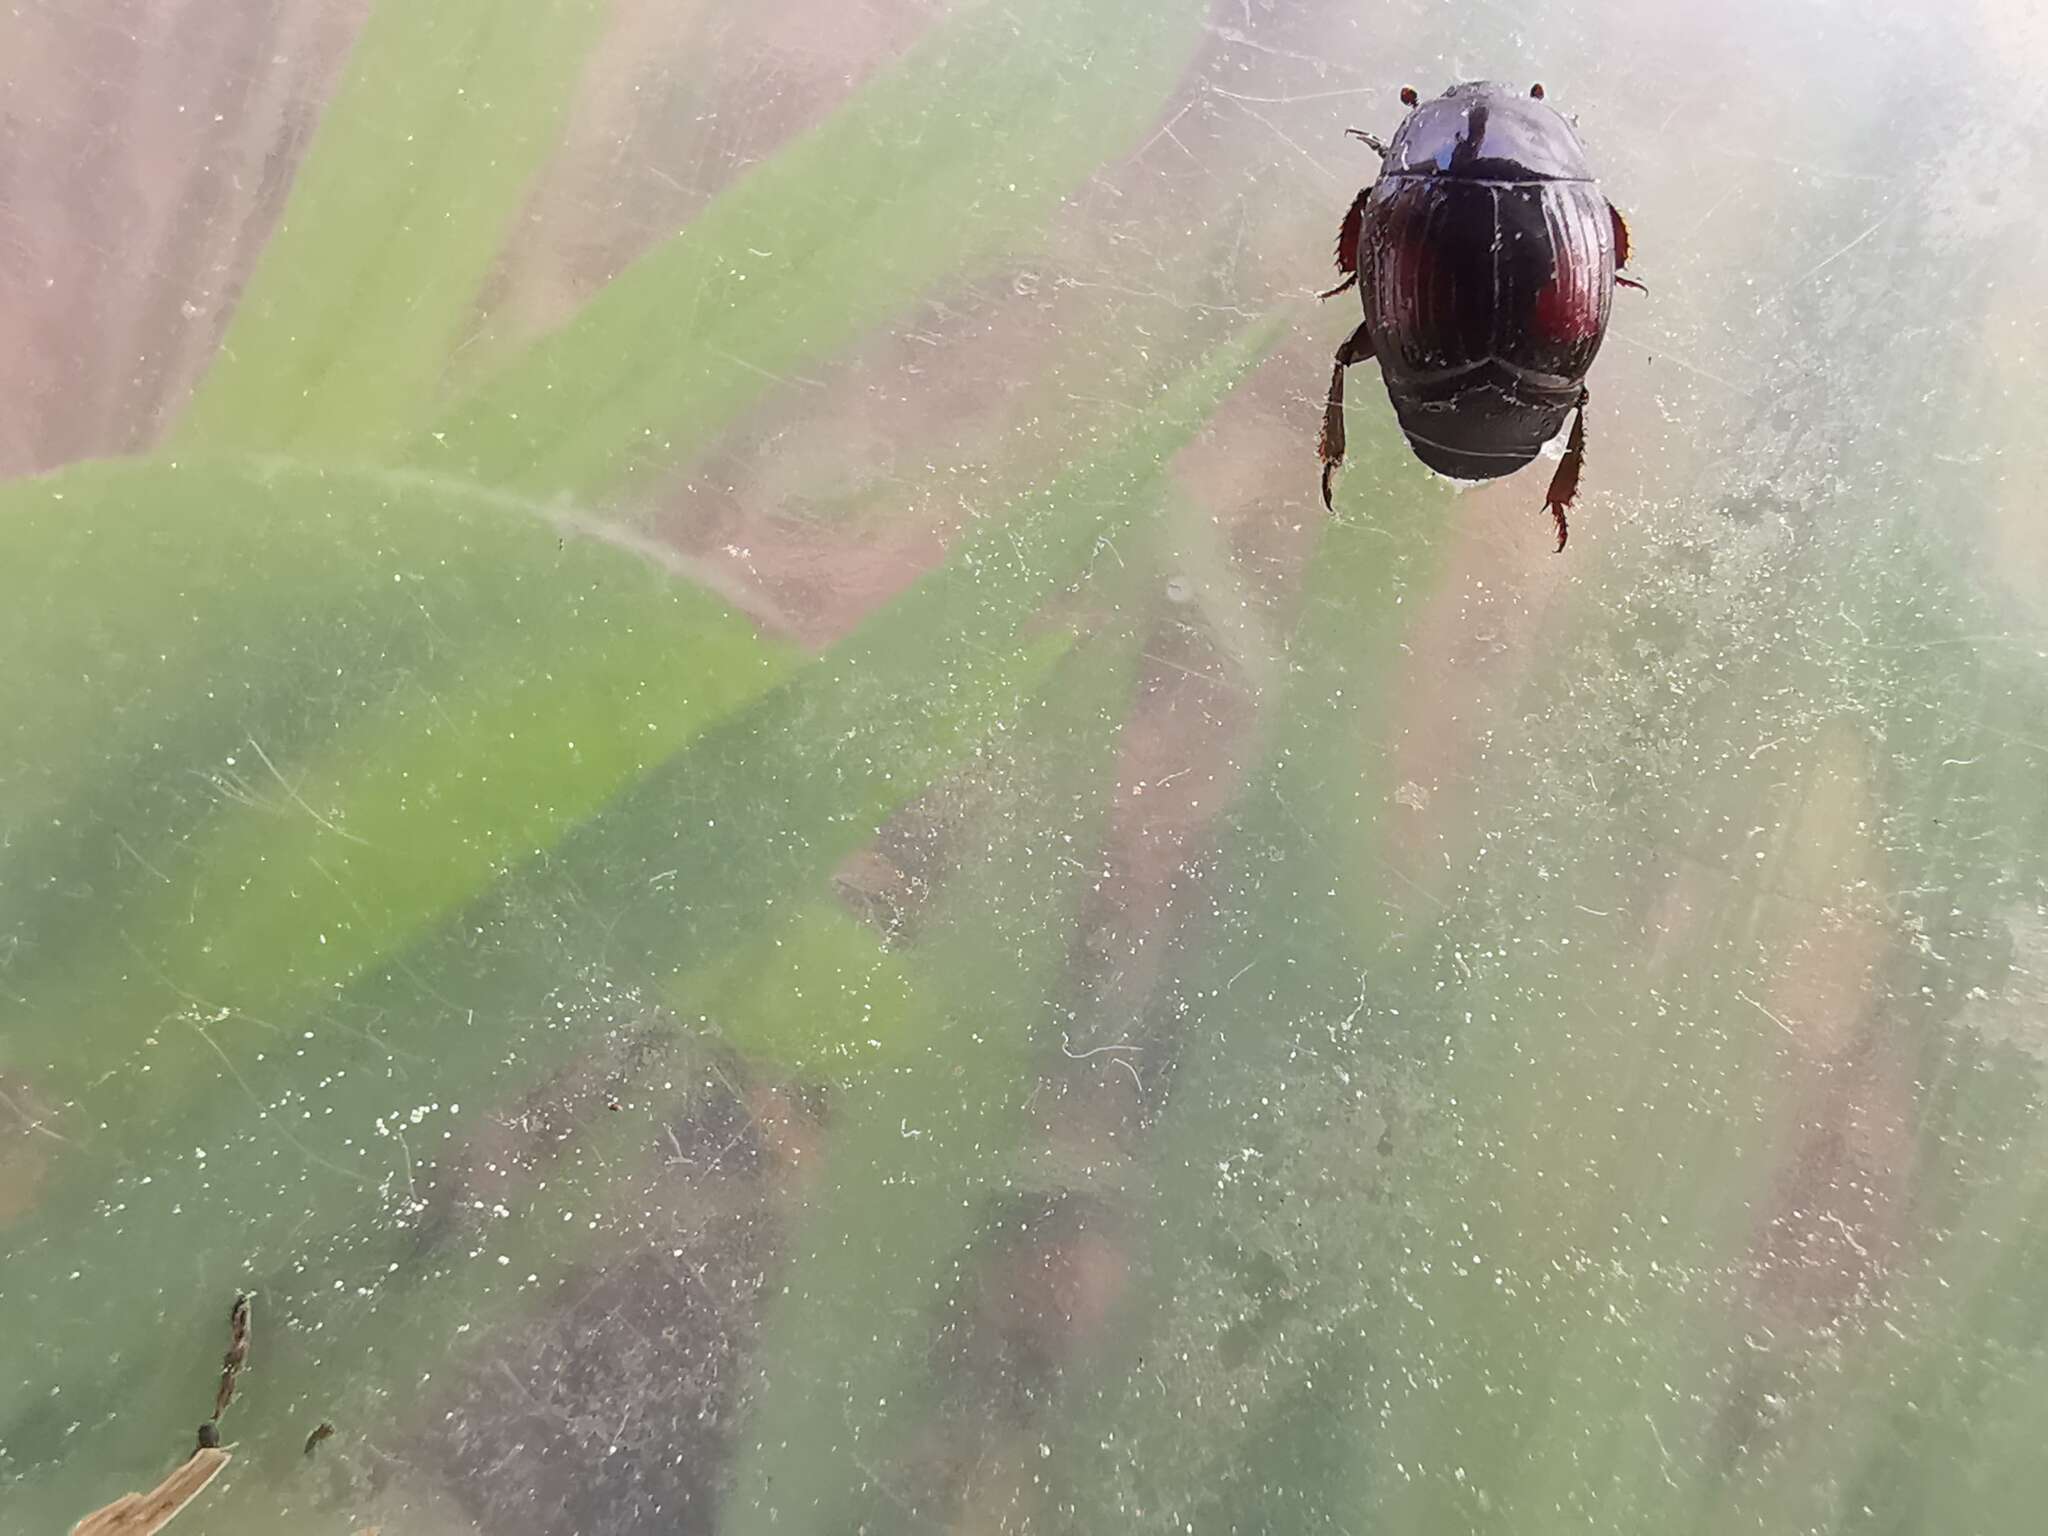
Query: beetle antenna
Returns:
{"type": "Point", "coordinates": [1368, 140]}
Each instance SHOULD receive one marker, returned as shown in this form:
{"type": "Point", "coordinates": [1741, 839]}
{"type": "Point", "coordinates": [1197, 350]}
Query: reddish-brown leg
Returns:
{"type": "Point", "coordinates": [1564, 485]}
{"type": "Point", "coordinates": [1356, 349]}
{"type": "Point", "coordinates": [1621, 249]}
{"type": "Point", "coordinates": [1347, 242]}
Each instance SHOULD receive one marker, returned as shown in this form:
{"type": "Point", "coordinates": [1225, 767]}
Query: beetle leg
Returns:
{"type": "Point", "coordinates": [1357, 348]}
{"type": "Point", "coordinates": [1564, 485]}
{"type": "Point", "coordinates": [1621, 249]}
{"type": "Point", "coordinates": [1347, 243]}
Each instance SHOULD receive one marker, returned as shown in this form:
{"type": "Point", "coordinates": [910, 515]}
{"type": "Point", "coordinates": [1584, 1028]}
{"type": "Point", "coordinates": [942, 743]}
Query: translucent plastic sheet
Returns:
{"type": "Point", "coordinates": [686, 764]}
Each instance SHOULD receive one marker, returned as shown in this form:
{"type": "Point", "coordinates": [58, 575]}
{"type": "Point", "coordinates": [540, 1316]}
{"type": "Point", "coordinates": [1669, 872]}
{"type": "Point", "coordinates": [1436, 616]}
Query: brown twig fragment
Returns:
{"type": "Point", "coordinates": [237, 1357]}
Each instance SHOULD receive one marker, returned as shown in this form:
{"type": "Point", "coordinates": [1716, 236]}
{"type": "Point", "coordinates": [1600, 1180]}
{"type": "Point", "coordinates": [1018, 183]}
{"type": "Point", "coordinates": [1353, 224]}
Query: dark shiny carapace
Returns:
{"type": "Point", "coordinates": [1485, 258]}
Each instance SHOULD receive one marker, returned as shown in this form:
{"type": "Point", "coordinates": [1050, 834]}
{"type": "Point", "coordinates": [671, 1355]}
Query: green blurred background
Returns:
{"type": "Point", "coordinates": [685, 761]}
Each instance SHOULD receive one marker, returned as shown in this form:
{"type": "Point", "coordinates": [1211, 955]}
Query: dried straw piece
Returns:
{"type": "Point", "coordinates": [144, 1514]}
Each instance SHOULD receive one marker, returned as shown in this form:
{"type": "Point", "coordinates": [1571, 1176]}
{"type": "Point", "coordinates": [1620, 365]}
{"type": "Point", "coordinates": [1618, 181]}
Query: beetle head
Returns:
{"type": "Point", "coordinates": [1485, 128]}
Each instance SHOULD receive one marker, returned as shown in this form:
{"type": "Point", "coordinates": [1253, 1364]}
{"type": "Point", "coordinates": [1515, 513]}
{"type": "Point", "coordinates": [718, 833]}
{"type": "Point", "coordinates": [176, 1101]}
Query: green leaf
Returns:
{"type": "Point", "coordinates": [959, 152]}
{"type": "Point", "coordinates": [422, 159]}
{"type": "Point", "coordinates": [321, 768]}
{"type": "Point", "coordinates": [918, 1146]}
{"type": "Point", "coordinates": [704, 852]}
{"type": "Point", "coordinates": [1232, 1316]}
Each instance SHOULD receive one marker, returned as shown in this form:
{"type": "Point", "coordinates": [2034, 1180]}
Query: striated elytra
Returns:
{"type": "Point", "coordinates": [1485, 258]}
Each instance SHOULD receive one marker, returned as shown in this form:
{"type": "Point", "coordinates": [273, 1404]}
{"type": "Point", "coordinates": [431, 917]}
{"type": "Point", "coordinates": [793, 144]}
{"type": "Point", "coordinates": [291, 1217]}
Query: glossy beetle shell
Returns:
{"type": "Point", "coordinates": [1486, 259]}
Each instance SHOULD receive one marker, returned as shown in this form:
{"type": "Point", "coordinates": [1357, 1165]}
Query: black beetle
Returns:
{"type": "Point", "coordinates": [1485, 259]}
